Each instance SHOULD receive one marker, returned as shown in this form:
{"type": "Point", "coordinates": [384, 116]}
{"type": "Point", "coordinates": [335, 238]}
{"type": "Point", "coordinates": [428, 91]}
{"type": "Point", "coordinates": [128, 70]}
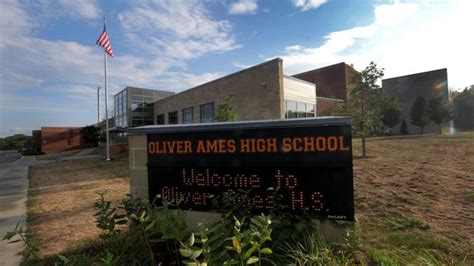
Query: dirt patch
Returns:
{"type": "Point", "coordinates": [61, 199]}
{"type": "Point", "coordinates": [429, 179]}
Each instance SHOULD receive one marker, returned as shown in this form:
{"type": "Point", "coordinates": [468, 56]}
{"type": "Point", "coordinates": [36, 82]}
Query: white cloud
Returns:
{"type": "Point", "coordinates": [404, 38]}
{"type": "Point", "coordinates": [393, 14]}
{"type": "Point", "coordinates": [81, 8]}
{"type": "Point", "coordinates": [62, 76]}
{"type": "Point", "coordinates": [9, 79]}
{"type": "Point", "coordinates": [176, 30]}
{"type": "Point", "coordinates": [306, 5]}
{"type": "Point", "coordinates": [243, 7]}
{"type": "Point", "coordinates": [28, 61]}
{"type": "Point", "coordinates": [13, 20]}
{"type": "Point", "coordinates": [241, 66]}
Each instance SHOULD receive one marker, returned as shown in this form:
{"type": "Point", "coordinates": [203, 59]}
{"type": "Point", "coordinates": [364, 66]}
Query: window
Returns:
{"type": "Point", "coordinates": [291, 110]}
{"type": "Point", "coordinates": [137, 122]}
{"type": "Point", "coordinates": [298, 109]}
{"type": "Point", "coordinates": [188, 115]}
{"type": "Point", "coordinates": [310, 110]}
{"type": "Point", "coordinates": [160, 119]}
{"type": "Point", "coordinates": [207, 113]}
{"type": "Point", "coordinates": [173, 117]}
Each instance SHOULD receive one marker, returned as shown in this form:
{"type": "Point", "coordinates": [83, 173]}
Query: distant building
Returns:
{"type": "Point", "coordinates": [260, 92]}
{"type": "Point", "coordinates": [333, 85]}
{"type": "Point", "coordinates": [407, 88]}
{"type": "Point", "coordinates": [36, 140]}
{"type": "Point", "coordinates": [51, 140]}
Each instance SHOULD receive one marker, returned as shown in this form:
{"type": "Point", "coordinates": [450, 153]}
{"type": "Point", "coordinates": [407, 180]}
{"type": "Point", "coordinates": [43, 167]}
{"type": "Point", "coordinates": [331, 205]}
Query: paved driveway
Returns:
{"type": "Point", "coordinates": [9, 156]}
{"type": "Point", "coordinates": [13, 196]}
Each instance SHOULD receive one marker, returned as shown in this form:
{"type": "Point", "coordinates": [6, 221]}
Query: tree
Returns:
{"type": "Point", "coordinates": [226, 111]}
{"type": "Point", "coordinates": [390, 111]}
{"type": "Point", "coordinates": [439, 111]}
{"type": "Point", "coordinates": [17, 141]}
{"type": "Point", "coordinates": [419, 115]}
{"type": "Point", "coordinates": [364, 104]}
{"type": "Point", "coordinates": [91, 133]}
{"type": "Point", "coordinates": [404, 127]}
{"type": "Point", "coordinates": [3, 144]}
{"type": "Point", "coordinates": [463, 105]}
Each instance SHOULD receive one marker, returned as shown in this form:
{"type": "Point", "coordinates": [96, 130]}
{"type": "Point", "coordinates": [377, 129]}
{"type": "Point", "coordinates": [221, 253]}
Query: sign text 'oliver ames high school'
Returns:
{"type": "Point", "coordinates": [307, 162]}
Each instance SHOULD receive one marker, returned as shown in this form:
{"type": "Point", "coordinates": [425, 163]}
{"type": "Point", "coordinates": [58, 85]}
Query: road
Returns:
{"type": "Point", "coordinates": [9, 156]}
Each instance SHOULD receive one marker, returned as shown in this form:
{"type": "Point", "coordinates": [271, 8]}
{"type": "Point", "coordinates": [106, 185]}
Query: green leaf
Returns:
{"type": "Point", "coordinates": [147, 228]}
{"type": "Point", "coordinates": [250, 251]}
{"type": "Point", "coordinates": [231, 262]}
{"type": "Point", "coordinates": [196, 253]}
{"type": "Point", "coordinates": [185, 252]}
{"type": "Point", "coordinates": [190, 241]}
{"type": "Point", "coordinates": [266, 251]}
{"type": "Point", "coordinates": [63, 259]}
{"type": "Point", "coordinates": [9, 235]}
{"type": "Point", "coordinates": [252, 260]}
{"type": "Point", "coordinates": [14, 241]}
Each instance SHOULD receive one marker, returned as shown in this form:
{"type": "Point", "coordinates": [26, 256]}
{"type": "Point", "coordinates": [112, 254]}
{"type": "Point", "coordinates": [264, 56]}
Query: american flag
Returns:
{"type": "Point", "coordinates": [104, 42]}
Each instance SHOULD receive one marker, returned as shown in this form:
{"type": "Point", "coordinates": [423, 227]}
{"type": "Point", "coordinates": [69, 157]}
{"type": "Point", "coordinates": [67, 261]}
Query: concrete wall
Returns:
{"type": "Point", "coordinates": [407, 88]}
{"type": "Point", "coordinates": [138, 158]}
{"type": "Point", "coordinates": [258, 94]}
{"type": "Point", "coordinates": [299, 90]}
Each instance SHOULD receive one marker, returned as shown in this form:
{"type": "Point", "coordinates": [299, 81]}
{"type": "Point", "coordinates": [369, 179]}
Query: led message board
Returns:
{"type": "Point", "coordinates": [309, 162]}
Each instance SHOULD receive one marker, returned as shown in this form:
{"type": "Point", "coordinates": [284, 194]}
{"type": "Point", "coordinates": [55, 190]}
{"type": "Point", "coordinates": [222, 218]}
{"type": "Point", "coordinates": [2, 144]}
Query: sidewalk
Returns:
{"type": "Point", "coordinates": [13, 197]}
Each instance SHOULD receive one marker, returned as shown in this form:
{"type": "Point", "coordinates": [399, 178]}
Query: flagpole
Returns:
{"type": "Point", "coordinates": [98, 106]}
{"type": "Point", "coordinates": [107, 158]}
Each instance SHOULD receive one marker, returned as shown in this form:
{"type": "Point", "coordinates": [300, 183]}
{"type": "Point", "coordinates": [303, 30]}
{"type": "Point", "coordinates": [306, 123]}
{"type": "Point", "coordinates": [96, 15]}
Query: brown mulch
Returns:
{"type": "Point", "coordinates": [62, 196]}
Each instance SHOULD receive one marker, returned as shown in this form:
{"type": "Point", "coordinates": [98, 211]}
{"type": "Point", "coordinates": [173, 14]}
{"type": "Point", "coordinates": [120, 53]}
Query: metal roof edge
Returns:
{"type": "Point", "coordinates": [277, 123]}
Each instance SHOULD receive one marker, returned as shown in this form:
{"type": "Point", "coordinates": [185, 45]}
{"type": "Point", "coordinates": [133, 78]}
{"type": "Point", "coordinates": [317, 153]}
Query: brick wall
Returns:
{"type": "Point", "coordinates": [58, 139]}
{"type": "Point", "coordinates": [331, 81]}
{"type": "Point", "coordinates": [36, 140]}
{"type": "Point", "coordinates": [325, 105]}
{"type": "Point", "coordinates": [118, 148]}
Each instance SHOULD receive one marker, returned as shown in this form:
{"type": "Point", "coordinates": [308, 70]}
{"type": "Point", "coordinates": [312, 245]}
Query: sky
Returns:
{"type": "Point", "coordinates": [50, 66]}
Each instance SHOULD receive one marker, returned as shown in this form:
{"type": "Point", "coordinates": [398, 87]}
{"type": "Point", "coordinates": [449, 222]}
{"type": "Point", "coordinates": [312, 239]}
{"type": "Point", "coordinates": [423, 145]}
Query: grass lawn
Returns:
{"type": "Point", "coordinates": [413, 195]}
{"type": "Point", "coordinates": [414, 198]}
{"type": "Point", "coordinates": [61, 199]}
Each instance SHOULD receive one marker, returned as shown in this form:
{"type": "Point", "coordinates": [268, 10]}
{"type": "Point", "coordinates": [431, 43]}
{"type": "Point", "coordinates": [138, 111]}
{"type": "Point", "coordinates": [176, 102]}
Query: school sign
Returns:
{"type": "Point", "coordinates": [307, 162]}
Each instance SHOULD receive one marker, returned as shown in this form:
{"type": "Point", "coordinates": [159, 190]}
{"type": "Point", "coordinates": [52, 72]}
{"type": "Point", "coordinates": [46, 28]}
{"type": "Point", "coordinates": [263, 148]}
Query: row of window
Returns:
{"type": "Point", "coordinates": [120, 104]}
{"type": "Point", "coordinates": [296, 109]}
{"type": "Point", "coordinates": [206, 115]}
